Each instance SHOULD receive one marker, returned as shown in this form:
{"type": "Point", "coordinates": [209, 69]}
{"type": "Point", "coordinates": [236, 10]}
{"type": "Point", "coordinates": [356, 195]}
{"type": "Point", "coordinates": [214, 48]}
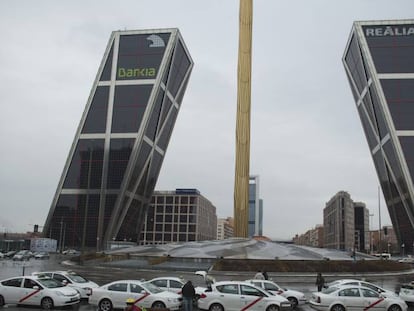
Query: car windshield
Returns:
{"type": "Point", "coordinates": [76, 278]}
{"type": "Point", "coordinates": [50, 283]}
{"type": "Point", "coordinates": [330, 290]}
{"type": "Point", "coordinates": [151, 288]}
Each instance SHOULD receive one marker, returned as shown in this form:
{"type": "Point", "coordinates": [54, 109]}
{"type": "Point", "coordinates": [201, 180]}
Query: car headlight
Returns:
{"type": "Point", "coordinates": [59, 293]}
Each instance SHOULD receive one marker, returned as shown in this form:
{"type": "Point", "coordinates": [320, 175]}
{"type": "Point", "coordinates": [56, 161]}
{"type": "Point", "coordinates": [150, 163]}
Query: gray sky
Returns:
{"type": "Point", "coordinates": [307, 142]}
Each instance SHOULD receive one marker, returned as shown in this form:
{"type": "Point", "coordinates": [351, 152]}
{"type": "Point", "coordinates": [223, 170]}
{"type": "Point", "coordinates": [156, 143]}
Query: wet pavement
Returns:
{"type": "Point", "coordinates": [102, 274]}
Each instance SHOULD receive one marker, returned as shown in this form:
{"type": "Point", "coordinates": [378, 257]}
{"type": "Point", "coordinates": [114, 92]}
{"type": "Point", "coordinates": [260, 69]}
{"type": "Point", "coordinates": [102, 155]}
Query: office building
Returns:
{"type": "Point", "coordinates": [255, 226]}
{"type": "Point", "coordinates": [225, 228]}
{"type": "Point", "coordinates": [361, 223]}
{"type": "Point", "coordinates": [379, 64]}
{"type": "Point", "coordinates": [346, 223]}
{"type": "Point", "coordinates": [113, 165]}
{"type": "Point", "coordinates": [183, 215]}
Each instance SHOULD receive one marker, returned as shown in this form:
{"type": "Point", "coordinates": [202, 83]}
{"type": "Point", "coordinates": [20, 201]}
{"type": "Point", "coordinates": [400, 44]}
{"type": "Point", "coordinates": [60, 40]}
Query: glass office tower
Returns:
{"type": "Point", "coordinates": [114, 162]}
{"type": "Point", "coordinates": [255, 224]}
{"type": "Point", "coordinates": [379, 63]}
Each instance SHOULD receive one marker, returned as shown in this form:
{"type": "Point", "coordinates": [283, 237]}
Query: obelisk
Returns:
{"type": "Point", "coordinates": [241, 181]}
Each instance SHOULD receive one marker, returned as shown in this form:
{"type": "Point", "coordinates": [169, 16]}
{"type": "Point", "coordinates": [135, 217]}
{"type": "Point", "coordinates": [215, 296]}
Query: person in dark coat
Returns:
{"type": "Point", "coordinates": [188, 293]}
{"type": "Point", "coordinates": [320, 281]}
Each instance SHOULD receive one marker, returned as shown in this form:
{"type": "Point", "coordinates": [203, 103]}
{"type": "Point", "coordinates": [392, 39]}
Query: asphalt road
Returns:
{"type": "Point", "coordinates": [103, 275]}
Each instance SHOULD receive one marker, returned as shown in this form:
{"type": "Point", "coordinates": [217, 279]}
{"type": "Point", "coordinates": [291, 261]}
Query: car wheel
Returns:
{"type": "Point", "coordinates": [158, 305]}
{"type": "Point", "coordinates": [105, 305]}
{"type": "Point", "coordinates": [47, 303]}
{"type": "Point", "coordinates": [338, 308]}
{"type": "Point", "coordinates": [394, 308]}
{"type": "Point", "coordinates": [293, 301]}
{"type": "Point", "coordinates": [216, 307]}
{"type": "Point", "coordinates": [1, 301]}
{"type": "Point", "coordinates": [272, 308]}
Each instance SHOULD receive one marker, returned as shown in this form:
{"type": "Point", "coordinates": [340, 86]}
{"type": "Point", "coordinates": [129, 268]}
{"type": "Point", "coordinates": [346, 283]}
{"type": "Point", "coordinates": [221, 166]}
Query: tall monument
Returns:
{"type": "Point", "coordinates": [241, 180]}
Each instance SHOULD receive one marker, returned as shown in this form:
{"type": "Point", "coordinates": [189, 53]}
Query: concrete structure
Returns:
{"type": "Point", "coordinates": [255, 208]}
{"type": "Point", "coordinates": [225, 228]}
{"type": "Point", "coordinates": [379, 64]}
{"type": "Point", "coordinates": [114, 162]}
{"type": "Point", "coordinates": [183, 215]}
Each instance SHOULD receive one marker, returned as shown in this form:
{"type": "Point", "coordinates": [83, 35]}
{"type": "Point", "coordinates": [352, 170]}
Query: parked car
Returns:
{"type": "Point", "coordinates": [236, 295]}
{"type": "Point", "coordinates": [31, 290]}
{"type": "Point", "coordinates": [72, 252]}
{"type": "Point", "coordinates": [407, 292]}
{"type": "Point", "coordinates": [175, 284]}
{"type": "Point", "coordinates": [407, 260]}
{"type": "Point", "coordinates": [354, 297]}
{"type": "Point", "coordinates": [22, 255]}
{"type": "Point", "coordinates": [114, 295]}
{"type": "Point", "coordinates": [41, 255]}
{"type": "Point", "coordinates": [171, 284]}
{"type": "Point", "coordinates": [343, 282]}
{"type": "Point", "coordinates": [295, 297]}
{"type": "Point", "coordinates": [10, 254]}
{"type": "Point", "coordinates": [71, 279]}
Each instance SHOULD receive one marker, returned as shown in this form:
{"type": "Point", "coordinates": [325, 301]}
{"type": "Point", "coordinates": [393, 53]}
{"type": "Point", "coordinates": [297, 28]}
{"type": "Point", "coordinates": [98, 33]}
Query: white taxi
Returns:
{"type": "Point", "coordinates": [235, 296]}
{"type": "Point", "coordinates": [114, 295]}
{"type": "Point", "coordinates": [354, 297]}
{"type": "Point", "coordinates": [169, 283]}
{"type": "Point", "coordinates": [30, 290]}
{"type": "Point", "coordinates": [407, 292]}
{"type": "Point", "coordinates": [345, 282]}
{"type": "Point", "coordinates": [71, 279]}
{"type": "Point", "coordinates": [295, 297]}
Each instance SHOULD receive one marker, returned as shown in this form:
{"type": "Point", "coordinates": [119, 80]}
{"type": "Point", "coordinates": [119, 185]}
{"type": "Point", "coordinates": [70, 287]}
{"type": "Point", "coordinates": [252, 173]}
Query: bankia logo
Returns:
{"type": "Point", "coordinates": [389, 31]}
{"type": "Point", "coordinates": [156, 41]}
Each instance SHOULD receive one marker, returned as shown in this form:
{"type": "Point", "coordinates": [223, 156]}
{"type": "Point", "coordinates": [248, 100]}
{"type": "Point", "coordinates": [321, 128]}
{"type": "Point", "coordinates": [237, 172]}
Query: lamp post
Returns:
{"type": "Point", "coordinates": [370, 234]}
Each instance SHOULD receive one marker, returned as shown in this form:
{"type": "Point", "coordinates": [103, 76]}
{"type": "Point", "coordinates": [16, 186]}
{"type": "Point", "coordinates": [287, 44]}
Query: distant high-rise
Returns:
{"type": "Point", "coordinates": [114, 162]}
{"type": "Point", "coordinates": [379, 63]}
{"type": "Point", "coordinates": [255, 208]}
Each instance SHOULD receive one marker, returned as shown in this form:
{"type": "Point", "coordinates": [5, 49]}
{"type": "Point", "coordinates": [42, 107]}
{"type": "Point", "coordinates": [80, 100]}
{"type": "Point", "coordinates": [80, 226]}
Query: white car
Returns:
{"type": "Point", "coordinates": [72, 279]}
{"type": "Point", "coordinates": [407, 292]}
{"type": "Point", "coordinates": [343, 282]}
{"type": "Point", "coordinates": [30, 290]}
{"type": "Point", "coordinates": [114, 295]}
{"type": "Point", "coordinates": [174, 284]}
{"type": "Point", "coordinates": [235, 296]}
{"type": "Point", "coordinates": [354, 297]}
{"type": "Point", "coordinates": [170, 284]}
{"type": "Point", "coordinates": [22, 255]}
{"type": "Point", "coordinates": [295, 297]}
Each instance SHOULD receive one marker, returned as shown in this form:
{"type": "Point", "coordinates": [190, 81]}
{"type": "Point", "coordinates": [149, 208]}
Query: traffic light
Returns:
{"type": "Point", "coordinates": [385, 230]}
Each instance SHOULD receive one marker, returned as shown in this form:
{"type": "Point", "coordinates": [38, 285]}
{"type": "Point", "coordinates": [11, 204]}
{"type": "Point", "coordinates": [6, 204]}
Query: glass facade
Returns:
{"type": "Point", "coordinates": [112, 168]}
{"type": "Point", "coordinates": [255, 222]}
{"type": "Point", "coordinates": [379, 63]}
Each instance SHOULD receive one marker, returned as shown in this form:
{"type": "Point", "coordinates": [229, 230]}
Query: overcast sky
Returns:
{"type": "Point", "coordinates": [307, 141]}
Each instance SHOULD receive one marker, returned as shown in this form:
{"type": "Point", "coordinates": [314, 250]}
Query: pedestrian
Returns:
{"type": "Point", "coordinates": [320, 281]}
{"type": "Point", "coordinates": [266, 276]}
{"type": "Point", "coordinates": [131, 306]}
{"type": "Point", "coordinates": [259, 275]}
{"type": "Point", "coordinates": [188, 293]}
